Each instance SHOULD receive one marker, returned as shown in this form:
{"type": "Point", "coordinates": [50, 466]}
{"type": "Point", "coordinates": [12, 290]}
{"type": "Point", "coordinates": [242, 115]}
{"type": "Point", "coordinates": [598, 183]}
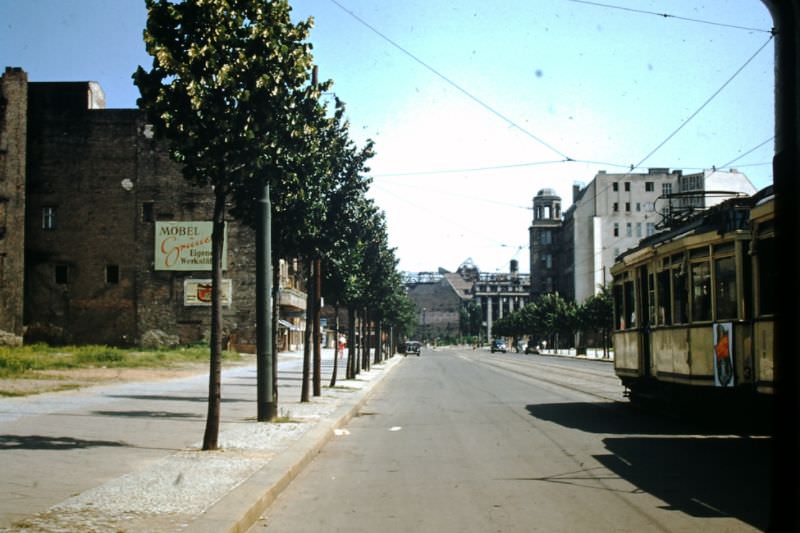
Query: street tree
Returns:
{"type": "Point", "coordinates": [229, 90]}
{"type": "Point", "coordinates": [596, 314]}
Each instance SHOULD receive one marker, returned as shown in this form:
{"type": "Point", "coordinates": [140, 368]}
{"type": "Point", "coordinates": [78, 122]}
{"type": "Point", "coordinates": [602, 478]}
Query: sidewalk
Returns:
{"type": "Point", "coordinates": [188, 489]}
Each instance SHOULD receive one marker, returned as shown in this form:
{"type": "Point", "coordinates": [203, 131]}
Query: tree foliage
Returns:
{"type": "Point", "coordinates": [228, 89]}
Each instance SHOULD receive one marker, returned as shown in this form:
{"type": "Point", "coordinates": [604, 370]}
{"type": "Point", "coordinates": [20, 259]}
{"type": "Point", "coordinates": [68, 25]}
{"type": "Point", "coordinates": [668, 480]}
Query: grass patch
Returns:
{"type": "Point", "coordinates": [24, 361]}
{"type": "Point", "coordinates": [55, 388]}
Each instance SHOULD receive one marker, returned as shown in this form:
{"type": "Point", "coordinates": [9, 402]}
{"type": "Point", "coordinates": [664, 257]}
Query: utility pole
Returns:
{"type": "Point", "coordinates": [267, 408]}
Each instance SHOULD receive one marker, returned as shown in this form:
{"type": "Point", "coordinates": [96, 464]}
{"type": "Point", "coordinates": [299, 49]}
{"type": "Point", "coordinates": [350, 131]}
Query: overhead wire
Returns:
{"type": "Point", "coordinates": [475, 169]}
{"type": "Point", "coordinates": [667, 15]}
{"type": "Point", "coordinates": [452, 83]}
{"type": "Point", "coordinates": [708, 101]}
{"type": "Point", "coordinates": [566, 159]}
{"type": "Point", "coordinates": [459, 224]}
{"type": "Point", "coordinates": [460, 195]}
{"type": "Point", "coordinates": [732, 161]}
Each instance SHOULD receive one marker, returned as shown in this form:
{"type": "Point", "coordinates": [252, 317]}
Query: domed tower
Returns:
{"type": "Point", "coordinates": [544, 237]}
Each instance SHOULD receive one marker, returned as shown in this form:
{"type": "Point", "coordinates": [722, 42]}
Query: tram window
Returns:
{"type": "Point", "coordinates": [725, 278]}
{"type": "Point", "coordinates": [651, 298]}
{"type": "Point", "coordinates": [664, 301]}
{"type": "Point", "coordinates": [630, 306]}
{"type": "Point", "coordinates": [619, 310]}
{"type": "Point", "coordinates": [766, 276]}
{"type": "Point", "coordinates": [724, 247]}
{"type": "Point", "coordinates": [680, 316]}
{"type": "Point", "coordinates": [701, 292]}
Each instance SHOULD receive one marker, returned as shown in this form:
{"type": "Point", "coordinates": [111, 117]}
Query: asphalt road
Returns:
{"type": "Point", "coordinates": [459, 441]}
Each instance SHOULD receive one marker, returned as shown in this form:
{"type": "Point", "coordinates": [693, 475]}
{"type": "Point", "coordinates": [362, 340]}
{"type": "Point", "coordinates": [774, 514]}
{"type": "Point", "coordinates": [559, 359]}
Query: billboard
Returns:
{"type": "Point", "coordinates": [197, 292]}
{"type": "Point", "coordinates": [186, 246]}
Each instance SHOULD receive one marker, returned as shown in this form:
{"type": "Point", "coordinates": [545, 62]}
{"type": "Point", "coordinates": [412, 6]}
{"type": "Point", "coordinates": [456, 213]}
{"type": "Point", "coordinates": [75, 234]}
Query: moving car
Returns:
{"type": "Point", "coordinates": [412, 347]}
{"type": "Point", "coordinates": [531, 348]}
{"type": "Point", "coordinates": [499, 345]}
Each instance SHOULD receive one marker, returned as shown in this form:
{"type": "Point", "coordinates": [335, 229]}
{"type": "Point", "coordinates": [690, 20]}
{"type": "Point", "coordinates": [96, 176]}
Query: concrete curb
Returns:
{"type": "Point", "coordinates": [237, 511]}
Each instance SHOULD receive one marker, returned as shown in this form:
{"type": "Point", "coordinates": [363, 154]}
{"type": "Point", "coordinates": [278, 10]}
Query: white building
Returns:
{"type": "Point", "coordinates": [615, 211]}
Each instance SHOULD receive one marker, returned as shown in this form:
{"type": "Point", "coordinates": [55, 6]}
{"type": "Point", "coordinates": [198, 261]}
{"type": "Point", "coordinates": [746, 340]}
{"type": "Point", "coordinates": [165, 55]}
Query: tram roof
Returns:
{"type": "Point", "coordinates": [721, 217]}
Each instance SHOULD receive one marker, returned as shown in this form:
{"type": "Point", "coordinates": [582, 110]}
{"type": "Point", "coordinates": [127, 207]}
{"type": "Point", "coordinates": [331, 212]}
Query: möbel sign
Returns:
{"type": "Point", "coordinates": [186, 246]}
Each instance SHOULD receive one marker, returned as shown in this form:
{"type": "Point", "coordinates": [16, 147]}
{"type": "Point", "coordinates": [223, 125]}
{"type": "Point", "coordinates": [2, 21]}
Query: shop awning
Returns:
{"type": "Point", "coordinates": [287, 325]}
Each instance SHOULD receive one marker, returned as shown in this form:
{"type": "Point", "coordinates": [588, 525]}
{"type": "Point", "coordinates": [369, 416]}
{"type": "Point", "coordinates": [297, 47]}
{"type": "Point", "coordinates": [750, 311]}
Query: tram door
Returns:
{"type": "Point", "coordinates": [643, 314]}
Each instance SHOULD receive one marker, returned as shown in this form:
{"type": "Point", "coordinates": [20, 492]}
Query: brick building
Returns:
{"type": "Point", "coordinates": [102, 237]}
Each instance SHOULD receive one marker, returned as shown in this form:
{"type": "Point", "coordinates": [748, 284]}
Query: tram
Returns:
{"type": "Point", "coordinates": [694, 306]}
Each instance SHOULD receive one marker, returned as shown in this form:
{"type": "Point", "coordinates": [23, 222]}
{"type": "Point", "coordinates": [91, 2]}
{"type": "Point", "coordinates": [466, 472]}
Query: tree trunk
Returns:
{"type": "Point", "coordinates": [304, 393]}
{"type": "Point", "coordinates": [276, 278]}
{"type": "Point", "coordinates": [365, 328]}
{"type": "Point", "coordinates": [210, 438]}
{"type": "Point", "coordinates": [378, 342]}
{"type": "Point", "coordinates": [351, 343]}
{"type": "Point", "coordinates": [317, 330]}
{"type": "Point", "coordinates": [335, 346]}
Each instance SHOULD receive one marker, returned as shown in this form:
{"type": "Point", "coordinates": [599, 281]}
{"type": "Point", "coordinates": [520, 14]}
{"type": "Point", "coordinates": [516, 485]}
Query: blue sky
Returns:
{"type": "Point", "coordinates": [511, 87]}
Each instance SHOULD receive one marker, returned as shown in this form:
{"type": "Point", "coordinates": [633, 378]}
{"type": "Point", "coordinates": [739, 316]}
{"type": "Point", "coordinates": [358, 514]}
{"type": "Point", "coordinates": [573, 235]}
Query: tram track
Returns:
{"type": "Point", "coordinates": [574, 379]}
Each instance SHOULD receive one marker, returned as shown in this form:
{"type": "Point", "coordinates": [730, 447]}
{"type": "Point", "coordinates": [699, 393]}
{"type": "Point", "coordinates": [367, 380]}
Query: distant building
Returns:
{"type": "Point", "coordinates": [439, 297]}
{"type": "Point", "coordinates": [610, 215]}
{"type": "Point", "coordinates": [102, 240]}
{"type": "Point", "coordinates": [501, 294]}
{"type": "Point", "coordinates": [546, 241]}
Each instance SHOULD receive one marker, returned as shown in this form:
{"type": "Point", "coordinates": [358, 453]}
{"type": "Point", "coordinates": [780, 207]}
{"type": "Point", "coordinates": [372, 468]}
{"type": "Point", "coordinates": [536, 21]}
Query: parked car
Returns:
{"type": "Point", "coordinates": [413, 347]}
{"type": "Point", "coordinates": [499, 345]}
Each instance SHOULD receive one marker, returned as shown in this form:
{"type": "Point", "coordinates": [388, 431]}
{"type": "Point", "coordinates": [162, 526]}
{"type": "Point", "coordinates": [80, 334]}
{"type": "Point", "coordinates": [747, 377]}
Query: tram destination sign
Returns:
{"type": "Point", "coordinates": [186, 246]}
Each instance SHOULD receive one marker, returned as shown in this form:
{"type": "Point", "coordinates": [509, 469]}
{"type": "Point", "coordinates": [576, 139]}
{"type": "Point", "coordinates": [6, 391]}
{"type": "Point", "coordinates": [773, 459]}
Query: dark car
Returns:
{"type": "Point", "coordinates": [531, 348]}
{"type": "Point", "coordinates": [412, 347]}
{"type": "Point", "coordinates": [499, 345]}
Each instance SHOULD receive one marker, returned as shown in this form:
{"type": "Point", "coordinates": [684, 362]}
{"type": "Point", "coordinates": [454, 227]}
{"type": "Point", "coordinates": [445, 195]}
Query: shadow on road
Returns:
{"type": "Point", "coordinates": [159, 397]}
{"type": "Point", "coordinates": [700, 471]}
{"type": "Point", "coordinates": [149, 414]}
{"type": "Point", "coordinates": [702, 477]}
{"type": "Point", "coordinates": [40, 442]}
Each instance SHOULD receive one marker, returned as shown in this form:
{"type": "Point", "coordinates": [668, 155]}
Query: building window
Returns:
{"type": "Point", "coordinates": [615, 186]}
{"type": "Point", "coordinates": [616, 206]}
{"type": "Point", "coordinates": [638, 229]}
{"type": "Point", "coordinates": [627, 186]}
{"type": "Point", "coordinates": [112, 273]}
{"type": "Point", "coordinates": [638, 206]}
{"type": "Point", "coordinates": [62, 274]}
{"type": "Point", "coordinates": [547, 237]}
{"type": "Point", "coordinates": [649, 186]}
{"type": "Point", "coordinates": [628, 230]}
{"type": "Point", "coordinates": [651, 228]}
{"type": "Point", "coordinates": [616, 229]}
{"type": "Point", "coordinates": [49, 218]}
{"type": "Point", "coordinates": [666, 189]}
{"type": "Point", "coordinates": [628, 207]}
{"type": "Point", "coordinates": [616, 253]}
{"type": "Point", "coordinates": [147, 211]}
